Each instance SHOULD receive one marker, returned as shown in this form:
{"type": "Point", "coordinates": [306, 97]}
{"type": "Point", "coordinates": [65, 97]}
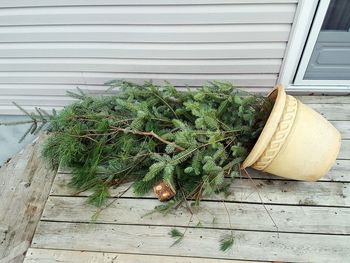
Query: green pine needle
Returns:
{"type": "Point", "coordinates": [177, 235]}
{"type": "Point", "coordinates": [174, 233]}
{"type": "Point", "coordinates": [99, 196]}
{"type": "Point", "coordinates": [226, 243]}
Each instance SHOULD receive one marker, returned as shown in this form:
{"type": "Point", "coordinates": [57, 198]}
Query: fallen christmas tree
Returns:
{"type": "Point", "coordinates": [183, 143]}
{"type": "Point", "coordinates": [180, 143]}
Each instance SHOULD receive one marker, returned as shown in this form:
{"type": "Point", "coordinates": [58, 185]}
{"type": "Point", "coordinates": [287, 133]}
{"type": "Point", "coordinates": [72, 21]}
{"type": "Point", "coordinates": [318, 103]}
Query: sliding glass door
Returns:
{"type": "Point", "coordinates": [326, 58]}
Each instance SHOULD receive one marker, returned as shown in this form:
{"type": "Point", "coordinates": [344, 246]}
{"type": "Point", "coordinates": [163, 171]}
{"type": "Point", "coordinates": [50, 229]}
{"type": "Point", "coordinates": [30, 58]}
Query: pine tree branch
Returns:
{"type": "Point", "coordinates": [23, 110]}
{"type": "Point", "coordinates": [16, 123]}
{"type": "Point", "coordinates": [152, 134]}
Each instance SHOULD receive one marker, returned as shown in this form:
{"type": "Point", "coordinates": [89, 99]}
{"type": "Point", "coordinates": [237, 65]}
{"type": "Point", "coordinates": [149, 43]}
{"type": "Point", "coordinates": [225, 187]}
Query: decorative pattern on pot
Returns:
{"type": "Point", "coordinates": [280, 135]}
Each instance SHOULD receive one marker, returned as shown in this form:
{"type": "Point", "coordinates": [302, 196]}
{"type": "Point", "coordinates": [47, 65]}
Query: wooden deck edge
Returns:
{"type": "Point", "coordinates": [25, 186]}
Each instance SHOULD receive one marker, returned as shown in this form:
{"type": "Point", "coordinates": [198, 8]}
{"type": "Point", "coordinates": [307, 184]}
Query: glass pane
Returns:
{"type": "Point", "coordinates": [338, 16]}
{"type": "Point", "coordinates": [330, 59]}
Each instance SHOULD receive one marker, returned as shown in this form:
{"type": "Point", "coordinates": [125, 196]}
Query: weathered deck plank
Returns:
{"type": "Point", "coordinates": [333, 112]}
{"type": "Point", "coordinates": [343, 127]}
{"type": "Point", "coordinates": [344, 152]}
{"type": "Point", "coordinates": [271, 192]}
{"type": "Point", "coordinates": [324, 99]}
{"type": "Point", "coordinates": [69, 256]}
{"type": "Point", "coordinates": [198, 242]}
{"type": "Point", "coordinates": [301, 219]}
{"type": "Point", "coordinates": [25, 185]}
{"type": "Point", "coordinates": [338, 173]}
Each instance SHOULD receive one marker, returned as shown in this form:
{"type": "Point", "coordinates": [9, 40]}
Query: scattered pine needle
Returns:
{"type": "Point", "coordinates": [176, 234]}
{"type": "Point", "coordinates": [227, 243]}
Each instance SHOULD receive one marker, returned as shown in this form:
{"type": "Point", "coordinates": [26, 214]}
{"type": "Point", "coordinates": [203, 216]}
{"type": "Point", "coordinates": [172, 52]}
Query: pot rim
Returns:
{"type": "Point", "coordinates": [279, 95]}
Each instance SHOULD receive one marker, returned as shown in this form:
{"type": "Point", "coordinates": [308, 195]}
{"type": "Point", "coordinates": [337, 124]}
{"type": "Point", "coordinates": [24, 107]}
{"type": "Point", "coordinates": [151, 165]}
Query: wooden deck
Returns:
{"type": "Point", "coordinates": [313, 218]}
{"type": "Point", "coordinates": [25, 184]}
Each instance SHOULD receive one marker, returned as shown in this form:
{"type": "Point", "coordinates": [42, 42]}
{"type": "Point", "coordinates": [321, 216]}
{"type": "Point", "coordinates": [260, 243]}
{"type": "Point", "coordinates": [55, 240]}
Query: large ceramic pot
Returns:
{"type": "Point", "coordinates": [296, 142]}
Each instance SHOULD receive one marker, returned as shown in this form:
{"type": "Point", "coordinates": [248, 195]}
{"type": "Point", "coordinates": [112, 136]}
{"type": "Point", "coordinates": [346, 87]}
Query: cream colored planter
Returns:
{"type": "Point", "coordinates": [296, 142]}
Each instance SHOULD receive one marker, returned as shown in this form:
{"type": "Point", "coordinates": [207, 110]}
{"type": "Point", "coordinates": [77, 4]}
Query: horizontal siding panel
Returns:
{"type": "Point", "coordinates": [77, 78]}
{"type": "Point", "coordinates": [36, 3]}
{"type": "Point", "coordinates": [48, 47]}
{"type": "Point", "coordinates": [143, 66]}
{"type": "Point", "coordinates": [141, 34]}
{"type": "Point", "coordinates": [144, 50]}
{"type": "Point", "coordinates": [16, 91]}
{"type": "Point", "coordinates": [179, 14]}
{"type": "Point", "coordinates": [13, 110]}
{"type": "Point", "coordinates": [39, 101]}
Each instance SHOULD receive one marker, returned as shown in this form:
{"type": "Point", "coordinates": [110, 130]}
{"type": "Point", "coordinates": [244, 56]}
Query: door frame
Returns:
{"type": "Point", "coordinates": [306, 27]}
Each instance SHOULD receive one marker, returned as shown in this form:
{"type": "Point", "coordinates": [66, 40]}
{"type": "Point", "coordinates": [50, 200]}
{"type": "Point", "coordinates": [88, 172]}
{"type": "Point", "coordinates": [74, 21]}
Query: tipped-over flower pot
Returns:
{"type": "Point", "coordinates": [296, 142]}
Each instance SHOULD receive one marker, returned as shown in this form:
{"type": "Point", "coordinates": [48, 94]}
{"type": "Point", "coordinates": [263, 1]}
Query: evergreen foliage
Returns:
{"type": "Point", "coordinates": [145, 133]}
{"type": "Point", "coordinates": [38, 120]}
{"type": "Point", "coordinates": [177, 235]}
{"type": "Point", "coordinates": [227, 242]}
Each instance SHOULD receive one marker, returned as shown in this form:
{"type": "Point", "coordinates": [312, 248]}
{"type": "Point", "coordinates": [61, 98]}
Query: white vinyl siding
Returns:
{"type": "Point", "coordinates": [50, 46]}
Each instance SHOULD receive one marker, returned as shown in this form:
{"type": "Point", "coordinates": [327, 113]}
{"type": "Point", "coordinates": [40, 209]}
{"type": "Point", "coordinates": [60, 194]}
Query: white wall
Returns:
{"type": "Point", "coordinates": [50, 46]}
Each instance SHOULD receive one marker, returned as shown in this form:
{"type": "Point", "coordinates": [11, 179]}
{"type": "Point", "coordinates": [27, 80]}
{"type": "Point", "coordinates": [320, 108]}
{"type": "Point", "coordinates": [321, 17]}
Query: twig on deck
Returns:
{"type": "Point", "coordinates": [262, 202]}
